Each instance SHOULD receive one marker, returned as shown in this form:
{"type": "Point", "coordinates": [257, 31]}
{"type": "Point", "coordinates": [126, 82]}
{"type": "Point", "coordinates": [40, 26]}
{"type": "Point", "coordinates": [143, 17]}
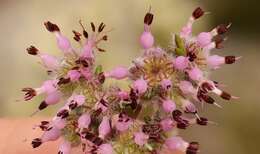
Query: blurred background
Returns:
{"type": "Point", "coordinates": [238, 129]}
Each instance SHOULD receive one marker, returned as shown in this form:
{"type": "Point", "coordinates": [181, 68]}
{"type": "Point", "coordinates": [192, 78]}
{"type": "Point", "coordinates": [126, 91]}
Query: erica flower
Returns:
{"type": "Point", "coordinates": [165, 85]}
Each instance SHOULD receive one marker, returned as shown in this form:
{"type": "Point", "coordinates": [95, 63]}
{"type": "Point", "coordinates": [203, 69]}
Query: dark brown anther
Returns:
{"type": "Point", "coordinates": [77, 35]}
{"type": "Point", "coordinates": [101, 77]}
{"type": "Point", "coordinates": [105, 38]}
{"type": "Point", "coordinates": [202, 121]}
{"type": "Point", "coordinates": [148, 19]}
{"type": "Point", "coordinates": [101, 50]}
{"type": "Point", "coordinates": [32, 50]}
{"type": "Point", "coordinates": [63, 81]}
{"type": "Point", "coordinates": [103, 102]}
{"type": "Point", "coordinates": [43, 105]}
{"type": "Point", "coordinates": [182, 125]}
{"type": "Point", "coordinates": [51, 27]}
{"type": "Point", "coordinates": [63, 113]}
{"type": "Point", "coordinates": [153, 130]}
{"type": "Point", "coordinates": [72, 106]}
{"type": "Point", "coordinates": [101, 27]}
{"type": "Point", "coordinates": [205, 87]}
{"type": "Point", "coordinates": [208, 99]}
{"type": "Point", "coordinates": [225, 95]}
{"type": "Point", "coordinates": [192, 56]}
{"type": "Point", "coordinates": [98, 141]}
{"type": "Point", "coordinates": [230, 59]}
{"type": "Point", "coordinates": [223, 28]}
{"type": "Point", "coordinates": [176, 113]}
{"type": "Point", "coordinates": [193, 148]}
{"type": "Point", "coordinates": [29, 93]}
{"type": "Point", "coordinates": [218, 41]}
{"type": "Point", "coordinates": [93, 26]}
{"type": "Point", "coordinates": [84, 63]}
{"type": "Point", "coordinates": [36, 142]}
{"type": "Point", "coordinates": [85, 34]}
{"type": "Point", "coordinates": [197, 13]}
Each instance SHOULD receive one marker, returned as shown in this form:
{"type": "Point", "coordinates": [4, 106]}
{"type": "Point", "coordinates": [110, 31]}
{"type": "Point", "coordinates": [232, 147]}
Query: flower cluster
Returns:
{"type": "Point", "coordinates": [166, 86]}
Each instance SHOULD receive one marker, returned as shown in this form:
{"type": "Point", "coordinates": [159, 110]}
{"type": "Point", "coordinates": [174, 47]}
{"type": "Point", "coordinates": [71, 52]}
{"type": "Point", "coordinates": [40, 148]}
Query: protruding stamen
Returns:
{"type": "Point", "coordinates": [101, 27]}
{"type": "Point", "coordinates": [223, 28]}
{"type": "Point", "coordinates": [148, 19]}
{"type": "Point", "coordinates": [51, 27]}
{"type": "Point", "coordinates": [93, 26]}
{"type": "Point", "coordinates": [29, 93]}
{"type": "Point", "coordinates": [193, 148]}
{"type": "Point", "coordinates": [36, 142]}
{"type": "Point", "coordinates": [77, 35]}
{"type": "Point", "coordinates": [231, 59]}
{"type": "Point", "coordinates": [197, 13]}
{"type": "Point", "coordinates": [32, 50]}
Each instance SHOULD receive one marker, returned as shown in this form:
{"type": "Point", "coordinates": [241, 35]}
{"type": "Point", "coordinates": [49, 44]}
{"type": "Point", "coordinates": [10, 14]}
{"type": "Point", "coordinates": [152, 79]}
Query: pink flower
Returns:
{"type": "Point", "coordinates": [118, 73]}
{"type": "Point", "coordinates": [86, 73]}
{"type": "Point", "coordinates": [140, 86]}
{"type": "Point", "coordinates": [204, 39]}
{"type": "Point", "coordinates": [140, 138]}
{"type": "Point", "coordinates": [51, 135]}
{"type": "Point", "coordinates": [53, 98]}
{"type": "Point", "coordinates": [167, 124]}
{"type": "Point", "coordinates": [48, 86]}
{"type": "Point", "coordinates": [176, 143]}
{"type": "Point", "coordinates": [59, 122]}
{"type": "Point", "coordinates": [168, 105]}
{"type": "Point", "coordinates": [166, 84]}
{"type": "Point", "coordinates": [123, 122]}
{"type": "Point", "coordinates": [105, 149]}
{"type": "Point", "coordinates": [87, 51]}
{"type": "Point", "coordinates": [195, 74]}
{"type": "Point", "coordinates": [123, 95]}
{"type": "Point", "coordinates": [186, 87]}
{"type": "Point", "coordinates": [186, 31]}
{"type": "Point", "coordinates": [181, 62]}
{"type": "Point", "coordinates": [74, 75]}
{"type": "Point", "coordinates": [188, 107]}
{"type": "Point", "coordinates": [50, 62]}
{"type": "Point", "coordinates": [78, 99]}
{"type": "Point", "coordinates": [63, 43]}
{"type": "Point", "coordinates": [84, 120]}
{"type": "Point", "coordinates": [104, 127]}
{"type": "Point", "coordinates": [147, 40]}
{"type": "Point", "coordinates": [65, 148]}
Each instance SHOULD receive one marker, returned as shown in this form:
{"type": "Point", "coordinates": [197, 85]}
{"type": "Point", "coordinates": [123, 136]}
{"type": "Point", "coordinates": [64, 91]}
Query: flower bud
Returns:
{"type": "Point", "coordinates": [140, 86]}
{"type": "Point", "coordinates": [147, 40]}
{"type": "Point", "coordinates": [168, 105]}
{"type": "Point", "coordinates": [84, 120]}
{"type": "Point", "coordinates": [166, 84]}
{"type": "Point", "coordinates": [195, 74]}
{"type": "Point", "coordinates": [181, 62]}
{"type": "Point", "coordinates": [65, 148]}
{"type": "Point", "coordinates": [186, 87]}
{"type": "Point", "coordinates": [104, 127]}
{"type": "Point", "coordinates": [176, 143]}
{"type": "Point", "coordinates": [105, 149]}
{"type": "Point", "coordinates": [118, 73]}
{"type": "Point", "coordinates": [140, 138]}
{"type": "Point", "coordinates": [204, 39]}
{"type": "Point", "coordinates": [74, 75]}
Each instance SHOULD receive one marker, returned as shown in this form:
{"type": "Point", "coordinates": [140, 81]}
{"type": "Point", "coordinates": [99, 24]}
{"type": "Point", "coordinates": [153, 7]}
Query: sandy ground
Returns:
{"type": "Point", "coordinates": [16, 135]}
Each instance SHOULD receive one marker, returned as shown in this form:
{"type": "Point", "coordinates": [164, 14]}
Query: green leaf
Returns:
{"type": "Point", "coordinates": [180, 52]}
{"type": "Point", "coordinates": [180, 46]}
{"type": "Point", "coordinates": [99, 69]}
